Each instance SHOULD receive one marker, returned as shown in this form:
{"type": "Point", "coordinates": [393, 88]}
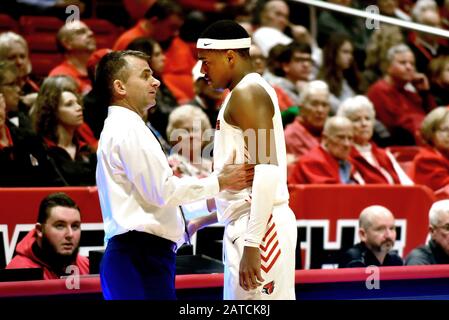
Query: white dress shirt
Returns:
{"type": "Point", "coordinates": [136, 187]}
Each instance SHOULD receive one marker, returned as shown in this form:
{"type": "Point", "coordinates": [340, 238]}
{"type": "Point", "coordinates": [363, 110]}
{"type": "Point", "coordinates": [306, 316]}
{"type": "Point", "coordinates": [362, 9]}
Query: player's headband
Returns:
{"type": "Point", "coordinates": [215, 44]}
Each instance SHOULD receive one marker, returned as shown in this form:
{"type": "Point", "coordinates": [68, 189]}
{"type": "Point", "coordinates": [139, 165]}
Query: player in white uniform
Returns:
{"type": "Point", "coordinates": [260, 234]}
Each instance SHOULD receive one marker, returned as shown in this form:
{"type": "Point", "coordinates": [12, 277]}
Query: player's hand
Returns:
{"type": "Point", "coordinates": [249, 273]}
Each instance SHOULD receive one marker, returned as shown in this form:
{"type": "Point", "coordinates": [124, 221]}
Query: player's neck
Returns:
{"type": "Point", "coordinates": [240, 73]}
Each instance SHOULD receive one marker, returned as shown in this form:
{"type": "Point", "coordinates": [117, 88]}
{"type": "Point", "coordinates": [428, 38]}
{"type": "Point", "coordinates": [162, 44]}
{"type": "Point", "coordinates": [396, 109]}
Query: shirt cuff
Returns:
{"type": "Point", "coordinates": [211, 183]}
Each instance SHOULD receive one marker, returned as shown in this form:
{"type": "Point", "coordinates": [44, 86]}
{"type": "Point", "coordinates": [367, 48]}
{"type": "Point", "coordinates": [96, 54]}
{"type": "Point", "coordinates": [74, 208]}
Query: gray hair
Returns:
{"type": "Point", "coordinates": [311, 88]}
{"type": "Point", "coordinates": [438, 208]}
{"type": "Point", "coordinates": [354, 104]}
{"type": "Point", "coordinates": [365, 218]}
{"type": "Point", "coordinates": [187, 111]}
{"type": "Point", "coordinates": [394, 50]}
{"type": "Point", "coordinates": [421, 6]}
{"type": "Point", "coordinates": [7, 39]}
{"type": "Point", "coordinates": [333, 123]}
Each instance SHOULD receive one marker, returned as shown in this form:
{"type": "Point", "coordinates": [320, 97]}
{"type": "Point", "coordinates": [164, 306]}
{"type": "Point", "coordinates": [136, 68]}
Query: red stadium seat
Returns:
{"type": "Point", "coordinates": [105, 32]}
{"type": "Point", "coordinates": [40, 24]}
{"type": "Point", "coordinates": [43, 62]}
{"type": "Point", "coordinates": [8, 24]}
{"type": "Point", "coordinates": [404, 153]}
{"type": "Point", "coordinates": [41, 42]}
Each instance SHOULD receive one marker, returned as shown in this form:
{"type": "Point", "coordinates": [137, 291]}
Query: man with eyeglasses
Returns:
{"type": "Point", "coordinates": [437, 249]}
{"type": "Point", "coordinates": [9, 88]}
{"type": "Point", "coordinates": [23, 160]}
{"type": "Point", "coordinates": [296, 69]}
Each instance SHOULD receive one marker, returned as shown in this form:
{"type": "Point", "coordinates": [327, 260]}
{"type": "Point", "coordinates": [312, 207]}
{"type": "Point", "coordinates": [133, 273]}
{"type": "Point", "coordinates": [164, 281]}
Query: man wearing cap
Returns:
{"type": "Point", "coordinates": [260, 234]}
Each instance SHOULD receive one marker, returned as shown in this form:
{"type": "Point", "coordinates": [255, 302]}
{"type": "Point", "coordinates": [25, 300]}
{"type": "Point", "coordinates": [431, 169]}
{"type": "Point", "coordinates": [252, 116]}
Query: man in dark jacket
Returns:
{"type": "Point", "coordinates": [437, 249]}
{"type": "Point", "coordinates": [377, 234]}
{"type": "Point", "coordinates": [54, 242]}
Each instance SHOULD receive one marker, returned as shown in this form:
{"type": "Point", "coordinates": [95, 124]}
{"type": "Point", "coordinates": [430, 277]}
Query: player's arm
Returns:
{"type": "Point", "coordinates": [251, 110]}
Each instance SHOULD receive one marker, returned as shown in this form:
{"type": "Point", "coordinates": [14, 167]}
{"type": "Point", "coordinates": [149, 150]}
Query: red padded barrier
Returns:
{"type": "Point", "coordinates": [20, 205]}
{"type": "Point", "coordinates": [91, 284]}
{"type": "Point", "coordinates": [334, 202]}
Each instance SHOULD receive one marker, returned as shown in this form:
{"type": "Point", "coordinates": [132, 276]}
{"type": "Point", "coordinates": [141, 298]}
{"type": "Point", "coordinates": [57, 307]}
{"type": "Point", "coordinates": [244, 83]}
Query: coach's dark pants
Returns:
{"type": "Point", "coordinates": [138, 265]}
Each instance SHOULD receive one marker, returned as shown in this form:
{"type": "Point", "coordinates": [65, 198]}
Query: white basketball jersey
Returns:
{"type": "Point", "coordinates": [231, 205]}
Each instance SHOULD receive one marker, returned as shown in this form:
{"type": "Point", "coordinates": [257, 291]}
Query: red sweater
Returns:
{"type": "Point", "coordinates": [317, 166]}
{"type": "Point", "coordinates": [399, 108]}
{"type": "Point", "coordinates": [67, 69]}
{"type": "Point", "coordinates": [298, 139]}
{"type": "Point", "coordinates": [26, 258]}
{"type": "Point", "coordinates": [371, 174]}
{"type": "Point", "coordinates": [431, 168]}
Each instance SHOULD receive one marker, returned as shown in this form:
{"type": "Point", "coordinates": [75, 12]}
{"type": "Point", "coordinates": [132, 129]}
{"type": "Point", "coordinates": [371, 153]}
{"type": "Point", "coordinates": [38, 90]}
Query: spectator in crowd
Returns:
{"type": "Point", "coordinates": [206, 97]}
{"type": "Point", "coordinates": [390, 8]}
{"type": "Point", "coordinates": [402, 98]}
{"type": "Point", "coordinates": [295, 69]}
{"type": "Point", "coordinates": [437, 249]}
{"type": "Point", "coordinates": [14, 48]}
{"type": "Point", "coordinates": [329, 162]}
{"type": "Point", "coordinates": [426, 46]}
{"type": "Point", "coordinates": [374, 164]}
{"type": "Point", "coordinates": [165, 100]}
{"type": "Point", "coordinates": [10, 88]}
{"type": "Point", "coordinates": [431, 164]}
{"type": "Point", "coordinates": [304, 133]}
{"type": "Point", "coordinates": [162, 22]}
{"type": "Point", "coordinates": [331, 22]}
{"type": "Point", "coordinates": [377, 234]}
{"type": "Point", "coordinates": [260, 66]}
{"type": "Point", "coordinates": [189, 132]}
{"type": "Point", "coordinates": [274, 27]}
{"type": "Point", "coordinates": [95, 110]}
{"type": "Point", "coordinates": [376, 62]}
{"type": "Point", "coordinates": [53, 244]}
{"type": "Point", "coordinates": [423, 6]}
{"type": "Point", "coordinates": [339, 69]}
{"type": "Point", "coordinates": [439, 80]}
{"type": "Point", "coordinates": [57, 117]}
{"type": "Point", "coordinates": [77, 42]}
{"type": "Point", "coordinates": [23, 160]}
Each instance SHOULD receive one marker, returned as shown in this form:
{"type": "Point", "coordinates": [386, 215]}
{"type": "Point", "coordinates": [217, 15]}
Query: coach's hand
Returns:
{"type": "Point", "coordinates": [236, 177]}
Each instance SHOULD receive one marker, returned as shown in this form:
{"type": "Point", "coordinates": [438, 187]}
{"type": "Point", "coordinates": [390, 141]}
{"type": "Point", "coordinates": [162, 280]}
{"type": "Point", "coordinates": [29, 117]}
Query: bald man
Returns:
{"type": "Point", "coordinates": [329, 162]}
{"type": "Point", "coordinates": [377, 234]}
{"type": "Point", "coordinates": [77, 42]}
{"type": "Point", "coordinates": [437, 249]}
